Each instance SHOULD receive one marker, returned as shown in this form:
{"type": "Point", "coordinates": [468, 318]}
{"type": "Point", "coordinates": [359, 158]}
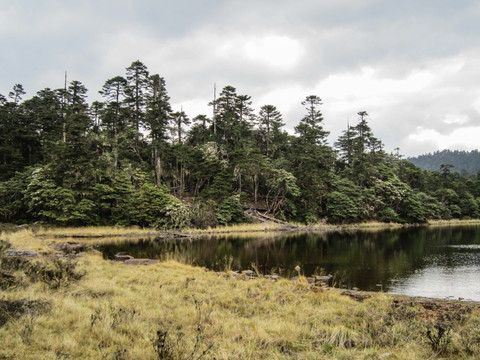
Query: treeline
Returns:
{"type": "Point", "coordinates": [466, 162]}
{"type": "Point", "coordinates": [132, 159]}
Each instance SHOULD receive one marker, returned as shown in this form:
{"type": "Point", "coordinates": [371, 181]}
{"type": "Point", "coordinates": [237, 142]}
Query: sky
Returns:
{"type": "Point", "coordinates": [413, 65]}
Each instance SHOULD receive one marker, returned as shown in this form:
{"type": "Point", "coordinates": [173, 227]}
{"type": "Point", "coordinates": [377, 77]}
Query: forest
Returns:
{"type": "Point", "coordinates": [131, 159]}
{"type": "Point", "coordinates": [465, 162]}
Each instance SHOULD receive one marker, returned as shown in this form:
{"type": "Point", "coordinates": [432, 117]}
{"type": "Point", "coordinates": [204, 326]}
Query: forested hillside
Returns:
{"type": "Point", "coordinates": [132, 159]}
{"type": "Point", "coordinates": [460, 161]}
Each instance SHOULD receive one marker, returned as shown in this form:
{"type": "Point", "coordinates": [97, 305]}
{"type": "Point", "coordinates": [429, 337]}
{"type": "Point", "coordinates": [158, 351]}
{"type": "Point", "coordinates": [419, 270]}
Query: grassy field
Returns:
{"type": "Point", "coordinates": [89, 308]}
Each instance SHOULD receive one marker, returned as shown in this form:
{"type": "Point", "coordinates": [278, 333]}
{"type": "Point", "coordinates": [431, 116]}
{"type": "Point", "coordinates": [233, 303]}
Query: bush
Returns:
{"type": "Point", "coordinates": [341, 208]}
{"type": "Point", "coordinates": [203, 214]}
{"type": "Point", "coordinates": [230, 211]}
{"type": "Point", "coordinates": [388, 215]}
{"type": "Point", "coordinates": [54, 272]}
{"type": "Point", "coordinates": [151, 204]}
{"type": "Point", "coordinates": [177, 216]}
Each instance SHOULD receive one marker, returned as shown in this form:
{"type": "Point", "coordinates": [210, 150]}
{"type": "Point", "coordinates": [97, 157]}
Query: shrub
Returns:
{"type": "Point", "coordinates": [230, 211]}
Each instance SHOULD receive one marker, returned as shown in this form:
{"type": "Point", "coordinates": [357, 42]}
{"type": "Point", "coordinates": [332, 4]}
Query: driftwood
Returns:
{"type": "Point", "coordinates": [254, 214]}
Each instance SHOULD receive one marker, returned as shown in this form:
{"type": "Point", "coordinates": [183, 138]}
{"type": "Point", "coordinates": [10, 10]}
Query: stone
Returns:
{"type": "Point", "coordinates": [249, 273]}
{"type": "Point", "coordinates": [72, 247]}
{"type": "Point", "coordinates": [324, 278]}
{"type": "Point", "coordinates": [140, 261]}
{"type": "Point", "coordinates": [20, 253]}
{"type": "Point", "coordinates": [121, 256]}
{"type": "Point", "coordinates": [310, 280]}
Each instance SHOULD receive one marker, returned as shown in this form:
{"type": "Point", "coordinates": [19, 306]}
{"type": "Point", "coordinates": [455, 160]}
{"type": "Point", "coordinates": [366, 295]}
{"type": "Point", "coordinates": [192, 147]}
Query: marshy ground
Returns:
{"type": "Point", "coordinates": [80, 306]}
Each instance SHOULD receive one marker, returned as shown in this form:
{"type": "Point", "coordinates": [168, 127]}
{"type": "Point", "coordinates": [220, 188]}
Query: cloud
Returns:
{"type": "Point", "coordinates": [465, 138]}
{"type": "Point", "coordinates": [413, 66]}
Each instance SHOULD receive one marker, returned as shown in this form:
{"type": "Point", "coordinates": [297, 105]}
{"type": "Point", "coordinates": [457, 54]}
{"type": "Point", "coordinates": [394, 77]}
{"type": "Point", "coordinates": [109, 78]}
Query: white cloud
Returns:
{"type": "Point", "coordinates": [410, 65]}
{"type": "Point", "coordinates": [465, 138]}
{"type": "Point", "coordinates": [277, 51]}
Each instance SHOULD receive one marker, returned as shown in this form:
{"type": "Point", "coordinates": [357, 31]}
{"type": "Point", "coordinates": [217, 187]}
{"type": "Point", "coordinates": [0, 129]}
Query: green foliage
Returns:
{"type": "Point", "coordinates": [468, 161]}
{"type": "Point", "coordinates": [150, 205]}
{"type": "Point", "coordinates": [345, 204]}
{"type": "Point", "coordinates": [417, 207]}
{"type": "Point", "coordinates": [177, 216]}
{"type": "Point", "coordinates": [388, 215]}
{"type": "Point", "coordinates": [128, 158]}
{"type": "Point", "coordinates": [230, 211]}
{"type": "Point", "coordinates": [48, 201]}
{"type": "Point", "coordinates": [203, 214]}
{"type": "Point", "coordinates": [341, 208]}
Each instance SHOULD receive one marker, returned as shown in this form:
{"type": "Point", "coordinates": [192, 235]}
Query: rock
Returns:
{"type": "Point", "coordinates": [325, 278]}
{"type": "Point", "coordinates": [72, 247]}
{"type": "Point", "coordinates": [133, 261]}
{"type": "Point", "coordinates": [356, 295]}
{"type": "Point", "coordinates": [249, 273]}
{"type": "Point", "coordinates": [275, 277]}
{"type": "Point", "coordinates": [310, 280]}
{"type": "Point", "coordinates": [295, 278]}
{"type": "Point", "coordinates": [355, 288]}
{"type": "Point", "coordinates": [121, 256]}
{"type": "Point", "coordinates": [20, 253]}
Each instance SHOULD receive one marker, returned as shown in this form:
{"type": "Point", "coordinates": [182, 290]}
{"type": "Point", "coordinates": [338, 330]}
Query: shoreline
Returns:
{"type": "Point", "coordinates": [103, 308]}
{"type": "Point", "coordinates": [43, 231]}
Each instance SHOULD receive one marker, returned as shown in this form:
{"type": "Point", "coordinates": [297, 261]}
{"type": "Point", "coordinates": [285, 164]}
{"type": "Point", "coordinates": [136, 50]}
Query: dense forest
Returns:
{"type": "Point", "coordinates": [133, 160]}
{"type": "Point", "coordinates": [465, 162]}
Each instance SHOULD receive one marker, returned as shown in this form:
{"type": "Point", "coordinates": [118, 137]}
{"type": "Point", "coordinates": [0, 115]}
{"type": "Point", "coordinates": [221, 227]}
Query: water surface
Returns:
{"type": "Point", "coordinates": [439, 262]}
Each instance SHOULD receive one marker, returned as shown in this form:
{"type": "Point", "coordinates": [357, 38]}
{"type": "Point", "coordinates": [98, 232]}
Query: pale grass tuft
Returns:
{"type": "Point", "coordinates": [92, 231]}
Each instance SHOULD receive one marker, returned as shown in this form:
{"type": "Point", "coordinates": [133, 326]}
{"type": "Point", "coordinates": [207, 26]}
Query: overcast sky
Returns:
{"type": "Point", "coordinates": [413, 65]}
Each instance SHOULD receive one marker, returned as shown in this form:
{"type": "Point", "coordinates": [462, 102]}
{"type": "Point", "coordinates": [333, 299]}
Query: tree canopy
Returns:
{"type": "Point", "coordinates": [131, 158]}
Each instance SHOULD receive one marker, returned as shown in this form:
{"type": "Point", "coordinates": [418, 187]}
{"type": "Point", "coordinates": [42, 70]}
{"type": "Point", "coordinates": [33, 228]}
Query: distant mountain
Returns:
{"type": "Point", "coordinates": [467, 161]}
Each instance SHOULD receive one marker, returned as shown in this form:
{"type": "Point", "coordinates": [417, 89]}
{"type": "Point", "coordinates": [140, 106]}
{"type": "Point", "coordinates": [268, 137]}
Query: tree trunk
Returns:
{"type": "Point", "coordinates": [158, 166]}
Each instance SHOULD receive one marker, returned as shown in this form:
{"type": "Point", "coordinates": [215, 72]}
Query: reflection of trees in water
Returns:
{"type": "Point", "coordinates": [356, 258]}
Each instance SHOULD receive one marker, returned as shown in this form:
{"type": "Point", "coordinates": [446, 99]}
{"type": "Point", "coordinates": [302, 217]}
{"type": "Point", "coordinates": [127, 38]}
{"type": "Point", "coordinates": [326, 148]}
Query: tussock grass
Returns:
{"type": "Point", "coordinates": [92, 231]}
{"type": "Point", "coordinates": [246, 227]}
{"type": "Point", "coordinates": [175, 311]}
{"type": "Point", "coordinates": [453, 222]}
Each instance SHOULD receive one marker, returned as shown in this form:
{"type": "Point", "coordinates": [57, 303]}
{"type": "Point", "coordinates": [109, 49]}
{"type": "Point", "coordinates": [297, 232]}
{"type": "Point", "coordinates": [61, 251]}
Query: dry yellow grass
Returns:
{"type": "Point", "coordinates": [92, 231]}
{"type": "Point", "coordinates": [247, 227]}
{"type": "Point", "coordinates": [175, 311]}
{"type": "Point", "coordinates": [453, 222]}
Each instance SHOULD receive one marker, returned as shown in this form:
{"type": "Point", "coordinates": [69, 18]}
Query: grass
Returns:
{"type": "Point", "coordinates": [175, 311]}
{"type": "Point", "coordinates": [118, 231]}
{"type": "Point", "coordinates": [453, 222]}
{"type": "Point", "coordinates": [246, 227]}
{"type": "Point", "coordinates": [92, 231]}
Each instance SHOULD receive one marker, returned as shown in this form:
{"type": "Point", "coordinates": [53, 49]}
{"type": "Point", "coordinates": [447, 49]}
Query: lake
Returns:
{"type": "Point", "coordinates": [442, 262]}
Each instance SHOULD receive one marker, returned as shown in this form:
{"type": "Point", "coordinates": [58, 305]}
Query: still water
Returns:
{"type": "Point", "coordinates": [441, 262]}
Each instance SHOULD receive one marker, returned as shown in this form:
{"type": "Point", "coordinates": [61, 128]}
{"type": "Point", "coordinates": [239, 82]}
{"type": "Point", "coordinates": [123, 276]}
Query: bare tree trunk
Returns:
{"type": "Point", "coordinates": [158, 166]}
{"type": "Point", "coordinates": [255, 182]}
